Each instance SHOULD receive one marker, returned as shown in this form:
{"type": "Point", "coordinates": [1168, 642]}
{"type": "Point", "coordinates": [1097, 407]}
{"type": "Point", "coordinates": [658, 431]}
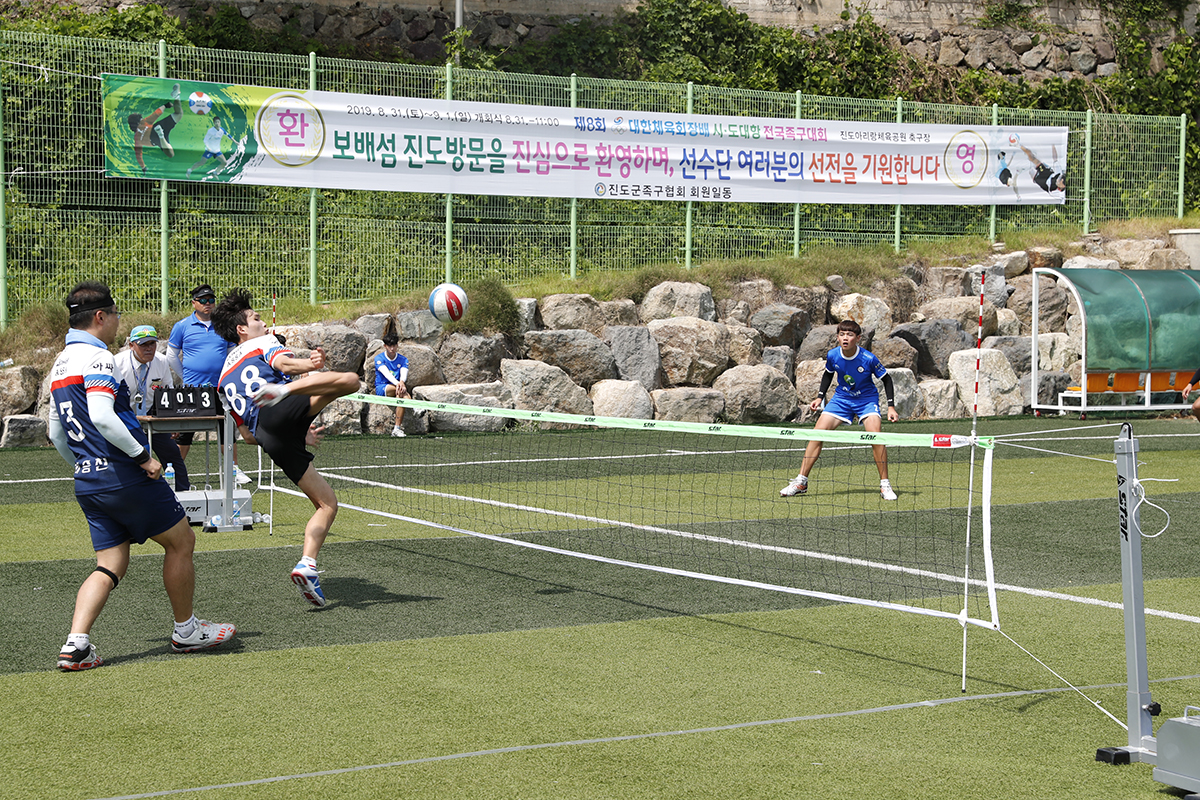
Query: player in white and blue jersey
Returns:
{"type": "Point", "coordinates": [855, 398]}
{"type": "Point", "coordinates": [276, 414]}
{"type": "Point", "coordinates": [116, 481]}
{"type": "Point", "coordinates": [391, 372]}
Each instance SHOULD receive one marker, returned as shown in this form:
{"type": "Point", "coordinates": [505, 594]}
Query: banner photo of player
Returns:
{"type": "Point", "coordinates": [159, 128]}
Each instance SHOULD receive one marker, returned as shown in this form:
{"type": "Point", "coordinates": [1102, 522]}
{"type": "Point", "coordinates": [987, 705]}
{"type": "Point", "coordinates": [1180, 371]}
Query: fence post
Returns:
{"type": "Point", "coordinates": [992, 216]}
{"type": "Point", "coordinates": [3, 223]}
{"type": "Point", "coordinates": [574, 200]}
{"type": "Point", "coordinates": [1087, 175]}
{"type": "Point", "coordinates": [687, 224]}
{"type": "Point", "coordinates": [1182, 158]}
{"type": "Point", "coordinates": [312, 202]}
{"type": "Point", "coordinates": [896, 232]}
{"type": "Point", "coordinates": [449, 197]}
{"type": "Point", "coordinates": [164, 218]}
{"type": "Point", "coordinates": [796, 206]}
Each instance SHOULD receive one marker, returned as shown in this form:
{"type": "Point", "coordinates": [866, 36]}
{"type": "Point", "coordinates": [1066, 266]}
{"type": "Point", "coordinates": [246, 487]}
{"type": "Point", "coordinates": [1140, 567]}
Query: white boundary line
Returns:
{"type": "Point", "coordinates": [628, 738]}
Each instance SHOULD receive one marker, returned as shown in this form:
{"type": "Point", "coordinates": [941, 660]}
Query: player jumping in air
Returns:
{"type": "Point", "coordinates": [855, 397]}
{"type": "Point", "coordinates": [276, 414]}
{"type": "Point", "coordinates": [155, 129]}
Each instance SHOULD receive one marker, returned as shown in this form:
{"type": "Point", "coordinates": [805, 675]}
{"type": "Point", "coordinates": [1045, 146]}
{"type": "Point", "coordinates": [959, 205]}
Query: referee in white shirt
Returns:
{"type": "Point", "coordinates": [143, 369]}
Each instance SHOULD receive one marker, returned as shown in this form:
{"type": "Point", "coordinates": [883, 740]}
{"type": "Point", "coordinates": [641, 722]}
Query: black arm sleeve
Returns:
{"type": "Point", "coordinates": [826, 380]}
{"type": "Point", "coordinates": [889, 389]}
{"type": "Point", "coordinates": [1194, 378]}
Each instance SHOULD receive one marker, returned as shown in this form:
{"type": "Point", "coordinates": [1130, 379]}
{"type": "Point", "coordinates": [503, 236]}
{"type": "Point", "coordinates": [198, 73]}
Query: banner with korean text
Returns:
{"type": "Point", "coordinates": [161, 129]}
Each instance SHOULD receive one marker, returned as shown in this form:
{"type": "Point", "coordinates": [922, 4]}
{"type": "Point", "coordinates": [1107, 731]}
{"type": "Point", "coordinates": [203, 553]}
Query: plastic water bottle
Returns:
{"type": "Point", "coordinates": [216, 521]}
{"type": "Point", "coordinates": [169, 472]}
{"type": "Point", "coordinates": [8, 362]}
{"type": "Point", "coordinates": [237, 513]}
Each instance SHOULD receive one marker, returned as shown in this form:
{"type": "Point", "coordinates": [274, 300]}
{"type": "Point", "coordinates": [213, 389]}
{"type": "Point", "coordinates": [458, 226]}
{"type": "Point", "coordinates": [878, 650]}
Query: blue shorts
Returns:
{"type": "Point", "coordinates": [130, 514]}
{"type": "Point", "coordinates": [847, 409]}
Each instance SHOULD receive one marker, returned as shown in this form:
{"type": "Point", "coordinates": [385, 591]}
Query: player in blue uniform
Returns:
{"type": "Point", "coordinates": [276, 414]}
{"type": "Point", "coordinates": [116, 481]}
{"type": "Point", "coordinates": [391, 372]}
{"type": "Point", "coordinates": [855, 398]}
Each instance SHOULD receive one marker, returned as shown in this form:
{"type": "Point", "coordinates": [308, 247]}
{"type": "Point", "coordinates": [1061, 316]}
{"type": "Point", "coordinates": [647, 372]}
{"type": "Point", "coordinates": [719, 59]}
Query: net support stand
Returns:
{"type": "Point", "coordinates": [1139, 708]}
{"type": "Point", "coordinates": [1175, 752]}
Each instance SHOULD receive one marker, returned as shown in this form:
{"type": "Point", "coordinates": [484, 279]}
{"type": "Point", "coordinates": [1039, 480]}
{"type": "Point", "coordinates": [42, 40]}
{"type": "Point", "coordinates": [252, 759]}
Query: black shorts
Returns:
{"type": "Point", "coordinates": [281, 431]}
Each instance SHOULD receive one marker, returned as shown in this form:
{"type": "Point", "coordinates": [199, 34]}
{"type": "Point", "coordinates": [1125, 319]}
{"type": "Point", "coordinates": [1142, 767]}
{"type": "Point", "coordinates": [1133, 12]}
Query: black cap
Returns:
{"type": "Point", "coordinates": [203, 290]}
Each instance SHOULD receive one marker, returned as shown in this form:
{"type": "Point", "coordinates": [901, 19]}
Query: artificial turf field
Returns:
{"type": "Point", "coordinates": [451, 666]}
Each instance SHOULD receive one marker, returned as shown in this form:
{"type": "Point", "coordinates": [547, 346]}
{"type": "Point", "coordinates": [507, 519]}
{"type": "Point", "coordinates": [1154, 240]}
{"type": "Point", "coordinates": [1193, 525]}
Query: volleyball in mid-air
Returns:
{"type": "Point", "coordinates": [1014, 139]}
{"type": "Point", "coordinates": [199, 103]}
{"type": "Point", "coordinates": [448, 302]}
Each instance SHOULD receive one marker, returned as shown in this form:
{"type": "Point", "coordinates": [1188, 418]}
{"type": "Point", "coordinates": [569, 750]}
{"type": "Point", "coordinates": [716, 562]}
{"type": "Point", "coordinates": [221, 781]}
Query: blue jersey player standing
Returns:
{"type": "Point", "coordinates": [117, 481]}
{"type": "Point", "coordinates": [855, 398]}
{"type": "Point", "coordinates": [276, 414]}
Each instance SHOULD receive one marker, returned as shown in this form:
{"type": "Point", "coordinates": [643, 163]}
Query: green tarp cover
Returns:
{"type": "Point", "coordinates": [1140, 321]}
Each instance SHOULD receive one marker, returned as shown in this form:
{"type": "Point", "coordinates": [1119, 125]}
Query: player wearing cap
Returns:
{"type": "Point", "coordinates": [196, 351]}
{"type": "Point", "coordinates": [142, 369]}
{"type": "Point", "coordinates": [116, 481]}
{"type": "Point", "coordinates": [276, 414]}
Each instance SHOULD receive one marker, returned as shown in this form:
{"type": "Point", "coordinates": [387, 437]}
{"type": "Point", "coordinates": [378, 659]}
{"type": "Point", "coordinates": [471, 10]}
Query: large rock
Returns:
{"type": "Point", "coordinates": [900, 294]}
{"type": "Point", "coordinates": [688, 404]}
{"type": "Point", "coordinates": [675, 299]}
{"type": "Point", "coordinates": [492, 395]}
{"type": "Point", "coordinates": [344, 347]}
{"type": "Point", "coordinates": [582, 355]}
{"type": "Point", "coordinates": [782, 359]}
{"type": "Point", "coordinates": [19, 389]}
{"type": "Point", "coordinates": [1014, 264]}
{"type": "Point", "coordinates": [371, 325]}
{"type": "Point", "coordinates": [943, 282]}
{"type": "Point", "coordinates": [867, 311]}
{"type": "Point", "coordinates": [754, 293]}
{"type": "Point", "coordinates": [756, 394]}
{"type": "Point", "coordinates": [1131, 251]}
{"type": "Point", "coordinates": [817, 344]}
{"type": "Point", "coordinates": [995, 288]}
{"type": "Point", "coordinates": [693, 352]}
{"type": "Point", "coordinates": [418, 326]}
{"type": "Point", "coordinates": [941, 399]}
{"type": "Point", "coordinates": [635, 352]}
{"type": "Point", "coordinates": [627, 399]}
{"type": "Point", "coordinates": [934, 341]}
{"type": "Point", "coordinates": [1052, 304]}
{"type": "Point", "coordinates": [572, 311]}
{"type": "Point", "coordinates": [745, 344]}
{"type": "Point", "coordinates": [1091, 262]}
{"type": "Point", "coordinates": [380, 418]}
{"type": "Point", "coordinates": [1056, 352]}
{"type": "Point", "coordinates": [910, 401]}
{"type": "Point", "coordinates": [24, 430]}
{"type": "Point", "coordinates": [999, 389]}
{"type": "Point", "coordinates": [344, 417]}
{"type": "Point", "coordinates": [808, 382]}
{"type": "Point", "coordinates": [1165, 258]}
{"type": "Point", "coordinates": [1017, 349]}
{"type": "Point", "coordinates": [813, 299]}
{"type": "Point", "coordinates": [1040, 257]}
{"type": "Point", "coordinates": [896, 353]}
{"type": "Point", "coordinates": [472, 358]}
{"type": "Point", "coordinates": [527, 314]}
{"type": "Point", "coordinates": [619, 312]}
{"type": "Point", "coordinates": [965, 310]}
{"type": "Point", "coordinates": [535, 386]}
{"type": "Point", "coordinates": [781, 325]}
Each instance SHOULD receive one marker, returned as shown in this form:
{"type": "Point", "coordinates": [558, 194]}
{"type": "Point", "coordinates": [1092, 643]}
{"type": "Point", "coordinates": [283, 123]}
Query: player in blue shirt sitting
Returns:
{"type": "Point", "coordinates": [855, 398]}
{"type": "Point", "coordinates": [391, 372]}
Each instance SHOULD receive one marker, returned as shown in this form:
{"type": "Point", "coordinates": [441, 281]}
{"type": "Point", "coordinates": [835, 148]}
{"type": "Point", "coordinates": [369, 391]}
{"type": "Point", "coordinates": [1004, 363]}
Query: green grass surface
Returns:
{"type": "Point", "coordinates": [450, 666]}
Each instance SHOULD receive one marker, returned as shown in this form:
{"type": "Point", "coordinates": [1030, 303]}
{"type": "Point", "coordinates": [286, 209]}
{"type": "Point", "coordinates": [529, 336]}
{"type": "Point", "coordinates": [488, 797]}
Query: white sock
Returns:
{"type": "Point", "coordinates": [803, 480]}
{"type": "Point", "coordinates": [187, 627]}
{"type": "Point", "coordinates": [79, 641]}
{"type": "Point", "coordinates": [308, 562]}
{"type": "Point", "coordinates": [884, 482]}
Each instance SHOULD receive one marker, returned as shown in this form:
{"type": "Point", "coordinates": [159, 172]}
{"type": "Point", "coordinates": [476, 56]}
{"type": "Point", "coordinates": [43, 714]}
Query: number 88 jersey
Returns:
{"type": "Point", "coordinates": [248, 368]}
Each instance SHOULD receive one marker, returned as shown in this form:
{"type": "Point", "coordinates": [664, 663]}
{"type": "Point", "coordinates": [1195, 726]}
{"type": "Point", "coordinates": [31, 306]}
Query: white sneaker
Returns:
{"type": "Point", "coordinates": [239, 477]}
{"type": "Point", "coordinates": [397, 431]}
{"type": "Point", "coordinates": [797, 485]}
{"type": "Point", "coordinates": [885, 490]}
{"type": "Point", "coordinates": [306, 578]}
{"type": "Point", "coordinates": [205, 634]}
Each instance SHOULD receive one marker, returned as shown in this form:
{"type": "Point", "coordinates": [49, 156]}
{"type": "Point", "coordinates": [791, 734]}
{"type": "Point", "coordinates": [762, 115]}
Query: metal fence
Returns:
{"type": "Point", "coordinates": [64, 221]}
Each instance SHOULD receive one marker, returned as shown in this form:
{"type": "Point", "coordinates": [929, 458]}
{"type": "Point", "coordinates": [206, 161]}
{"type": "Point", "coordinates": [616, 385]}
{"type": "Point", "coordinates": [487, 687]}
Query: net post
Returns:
{"type": "Point", "coordinates": [1139, 708]}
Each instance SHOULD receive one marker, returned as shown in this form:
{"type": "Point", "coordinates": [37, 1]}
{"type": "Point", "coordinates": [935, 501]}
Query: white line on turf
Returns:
{"type": "Point", "coordinates": [629, 738]}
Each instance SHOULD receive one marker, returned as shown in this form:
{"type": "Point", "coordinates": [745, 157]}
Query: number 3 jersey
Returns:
{"type": "Point", "coordinates": [248, 368]}
{"type": "Point", "coordinates": [85, 366]}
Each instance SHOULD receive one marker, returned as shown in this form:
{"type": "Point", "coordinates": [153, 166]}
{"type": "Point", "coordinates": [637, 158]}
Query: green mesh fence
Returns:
{"type": "Point", "coordinates": [67, 222]}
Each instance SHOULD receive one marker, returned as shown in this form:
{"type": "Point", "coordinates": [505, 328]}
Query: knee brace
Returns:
{"type": "Point", "coordinates": [112, 575]}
